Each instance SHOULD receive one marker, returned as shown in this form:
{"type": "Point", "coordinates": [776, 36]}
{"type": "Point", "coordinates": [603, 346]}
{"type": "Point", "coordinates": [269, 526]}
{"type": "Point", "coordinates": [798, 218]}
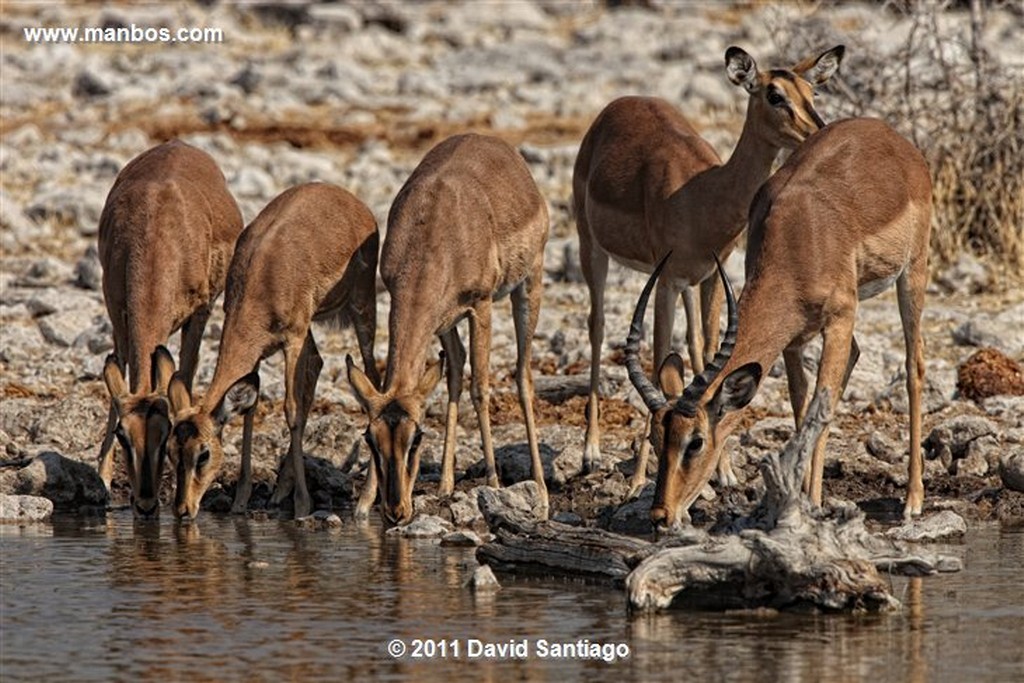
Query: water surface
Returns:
{"type": "Point", "coordinates": [237, 599]}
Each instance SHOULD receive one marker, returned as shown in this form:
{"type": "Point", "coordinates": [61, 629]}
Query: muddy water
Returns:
{"type": "Point", "coordinates": [262, 600]}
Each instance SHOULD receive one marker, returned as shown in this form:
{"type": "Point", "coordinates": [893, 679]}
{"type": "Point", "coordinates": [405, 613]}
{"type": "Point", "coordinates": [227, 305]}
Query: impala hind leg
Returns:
{"type": "Point", "coordinates": [525, 311]}
{"type": "Point", "coordinates": [480, 387]}
{"type": "Point", "coordinates": [910, 293]}
{"type": "Point", "coordinates": [455, 354]}
{"type": "Point", "coordinates": [594, 264]}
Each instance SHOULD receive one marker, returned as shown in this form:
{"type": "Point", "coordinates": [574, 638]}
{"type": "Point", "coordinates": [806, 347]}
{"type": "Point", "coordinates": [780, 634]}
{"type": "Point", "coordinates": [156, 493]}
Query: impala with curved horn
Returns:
{"type": "Point", "coordinates": [645, 183]}
{"type": "Point", "coordinates": [847, 215]}
{"type": "Point", "coordinates": [686, 426]}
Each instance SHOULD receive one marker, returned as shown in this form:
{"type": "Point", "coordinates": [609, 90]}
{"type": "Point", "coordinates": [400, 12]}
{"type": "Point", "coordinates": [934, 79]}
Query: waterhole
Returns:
{"type": "Point", "coordinates": [108, 599]}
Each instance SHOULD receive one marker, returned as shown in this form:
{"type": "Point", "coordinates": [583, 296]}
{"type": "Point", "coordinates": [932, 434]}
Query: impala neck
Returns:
{"type": "Point", "coordinates": [737, 180]}
{"type": "Point", "coordinates": [236, 359]}
{"type": "Point", "coordinates": [408, 343]}
{"type": "Point", "coordinates": [770, 318]}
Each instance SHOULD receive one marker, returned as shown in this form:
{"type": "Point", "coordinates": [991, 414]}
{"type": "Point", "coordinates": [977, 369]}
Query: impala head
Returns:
{"type": "Point", "coordinates": [142, 428]}
{"type": "Point", "coordinates": [782, 100]}
{"type": "Point", "coordinates": [684, 421]}
{"type": "Point", "coordinates": [394, 436]}
{"type": "Point", "coordinates": [195, 443]}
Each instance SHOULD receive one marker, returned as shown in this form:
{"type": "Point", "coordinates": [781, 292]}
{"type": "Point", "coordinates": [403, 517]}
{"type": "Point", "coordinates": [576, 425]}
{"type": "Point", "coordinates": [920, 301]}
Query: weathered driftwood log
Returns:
{"type": "Point", "coordinates": [784, 555]}
{"type": "Point", "coordinates": [525, 542]}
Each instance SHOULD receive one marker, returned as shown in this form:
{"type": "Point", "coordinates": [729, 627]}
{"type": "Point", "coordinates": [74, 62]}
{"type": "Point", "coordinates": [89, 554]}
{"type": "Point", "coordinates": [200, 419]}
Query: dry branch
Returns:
{"type": "Point", "coordinates": [784, 555]}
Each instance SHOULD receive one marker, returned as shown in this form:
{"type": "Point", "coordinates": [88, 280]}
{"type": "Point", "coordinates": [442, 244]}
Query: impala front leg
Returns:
{"type": "Point", "coordinates": [244, 489]}
{"type": "Point", "coordinates": [712, 295]}
{"type": "Point", "coordinates": [834, 366]}
{"type": "Point", "coordinates": [302, 367]}
{"type": "Point", "coordinates": [525, 310]}
{"type": "Point", "coordinates": [310, 365]}
{"type": "Point", "coordinates": [105, 462]}
{"type": "Point", "coordinates": [369, 493]}
{"type": "Point", "coordinates": [191, 338]}
{"type": "Point", "coordinates": [665, 315]}
{"type": "Point", "coordinates": [479, 361]}
{"type": "Point", "coordinates": [664, 322]}
{"type": "Point", "coordinates": [639, 479]}
{"type": "Point", "coordinates": [455, 353]}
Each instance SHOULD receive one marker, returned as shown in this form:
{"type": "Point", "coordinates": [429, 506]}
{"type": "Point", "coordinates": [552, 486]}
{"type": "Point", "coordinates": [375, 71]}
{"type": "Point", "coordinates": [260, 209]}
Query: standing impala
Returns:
{"type": "Point", "coordinates": [310, 255]}
{"type": "Point", "coordinates": [847, 215]}
{"type": "Point", "coordinates": [165, 239]}
{"type": "Point", "coordinates": [645, 184]}
{"type": "Point", "coordinates": [469, 226]}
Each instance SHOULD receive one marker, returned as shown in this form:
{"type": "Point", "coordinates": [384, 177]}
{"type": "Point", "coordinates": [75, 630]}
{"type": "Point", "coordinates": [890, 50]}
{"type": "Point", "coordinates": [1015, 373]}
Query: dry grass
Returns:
{"type": "Point", "coordinates": [944, 92]}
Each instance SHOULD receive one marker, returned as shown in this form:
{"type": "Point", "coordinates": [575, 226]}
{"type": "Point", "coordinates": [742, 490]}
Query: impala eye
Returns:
{"type": "Point", "coordinates": [775, 98]}
{"type": "Point", "coordinates": [695, 446]}
{"type": "Point", "coordinates": [203, 459]}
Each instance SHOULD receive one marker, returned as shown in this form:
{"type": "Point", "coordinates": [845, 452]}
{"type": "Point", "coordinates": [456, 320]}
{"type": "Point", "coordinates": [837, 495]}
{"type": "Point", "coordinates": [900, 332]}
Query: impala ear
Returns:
{"type": "Point", "coordinates": [362, 386]}
{"type": "Point", "coordinates": [736, 391]}
{"type": "Point", "coordinates": [178, 396]}
{"type": "Point", "coordinates": [817, 70]}
{"type": "Point", "coordinates": [113, 377]}
{"type": "Point", "coordinates": [161, 369]}
{"type": "Point", "coordinates": [741, 69]}
{"type": "Point", "coordinates": [671, 376]}
{"type": "Point", "coordinates": [239, 400]}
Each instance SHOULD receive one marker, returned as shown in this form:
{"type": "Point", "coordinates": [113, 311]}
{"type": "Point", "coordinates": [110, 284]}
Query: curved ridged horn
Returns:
{"type": "Point", "coordinates": [652, 396]}
{"type": "Point", "coordinates": [687, 403]}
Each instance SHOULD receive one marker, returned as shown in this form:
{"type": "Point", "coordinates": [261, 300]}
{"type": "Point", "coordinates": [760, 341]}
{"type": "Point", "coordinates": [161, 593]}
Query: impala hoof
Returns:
{"type": "Point", "coordinates": [636, 488]}
{"type": "Point", "coordinates": [591, 458]}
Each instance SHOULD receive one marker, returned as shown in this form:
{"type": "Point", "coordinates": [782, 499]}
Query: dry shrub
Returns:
{"type": "Point", "coordinates": [946, 91]}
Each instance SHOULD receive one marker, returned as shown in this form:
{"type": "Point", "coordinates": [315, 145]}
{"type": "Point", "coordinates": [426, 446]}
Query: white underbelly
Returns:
{"type": "Point", "coordinates": [875, 287]}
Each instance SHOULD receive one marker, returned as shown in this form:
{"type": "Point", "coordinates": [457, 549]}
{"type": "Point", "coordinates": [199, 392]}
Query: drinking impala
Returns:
{"type": "Point", "coordinates": [846, 216]}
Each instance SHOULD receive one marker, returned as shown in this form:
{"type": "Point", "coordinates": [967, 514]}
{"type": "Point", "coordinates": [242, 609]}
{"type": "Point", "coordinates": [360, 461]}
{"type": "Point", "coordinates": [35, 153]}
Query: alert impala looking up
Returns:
{"type": "Point", "coordinates": [645, 184]}
{"type": "Point", "coordinates": [847, 215]}
{"type": "Point", "coordinates": [310, 255]}
{"type": "Point", "coordinates": [165, 239]}
{"type": "Point", "coordinates": [469, 226]}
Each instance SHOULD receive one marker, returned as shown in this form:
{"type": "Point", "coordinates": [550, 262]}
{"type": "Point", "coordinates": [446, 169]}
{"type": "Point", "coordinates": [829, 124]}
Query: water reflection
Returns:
{"type": "Point", "coordinates": [232, 599]}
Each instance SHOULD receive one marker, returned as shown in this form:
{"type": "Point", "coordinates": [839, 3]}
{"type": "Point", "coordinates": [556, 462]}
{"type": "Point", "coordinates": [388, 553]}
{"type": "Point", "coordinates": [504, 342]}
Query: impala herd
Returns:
{"type": "Point", "coordinates": [847, 215]}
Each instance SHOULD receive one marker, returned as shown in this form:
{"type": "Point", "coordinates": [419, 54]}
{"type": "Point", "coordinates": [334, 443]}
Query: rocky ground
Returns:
{"type": "Point", "coordinates": [355, 94]}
